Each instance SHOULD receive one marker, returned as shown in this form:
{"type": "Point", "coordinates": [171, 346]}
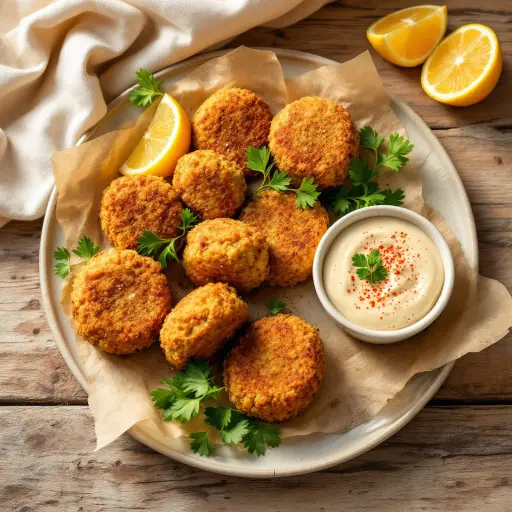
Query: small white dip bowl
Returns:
{"type": "Point", "coordinates": [372, 335]}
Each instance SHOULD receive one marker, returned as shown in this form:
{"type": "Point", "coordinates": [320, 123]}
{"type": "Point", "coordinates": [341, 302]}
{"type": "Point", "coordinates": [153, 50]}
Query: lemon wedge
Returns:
{"type": "Point", "coordinates": [465, 67]}
{"type": "Point", "coordinates": [407, 37]}
{"type": "Point", "coordinates": [165, 141]}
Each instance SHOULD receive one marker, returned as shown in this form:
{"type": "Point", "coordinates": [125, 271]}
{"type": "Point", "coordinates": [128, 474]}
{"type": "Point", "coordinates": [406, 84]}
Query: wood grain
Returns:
{"type": "Point", "coordinates": [448, 459]}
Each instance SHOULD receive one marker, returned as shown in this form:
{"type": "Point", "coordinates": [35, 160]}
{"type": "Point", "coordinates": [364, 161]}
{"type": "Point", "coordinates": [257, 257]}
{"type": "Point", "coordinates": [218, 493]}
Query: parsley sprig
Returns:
{"type": "Point", "coordinates": [259, 160]}
{"type": "Point", "coordinates": [370, 268]}
{"type": "Point", "coordinates": [275, 306]}
{"type": "Point", "coordinates": [165, 249]}
{"type": "Point", "coordinates": [86, 249]}
{"type": "Point", "coordinates": [185, 398]}
{"type": "Point", "coordinates": [147, 90]}
{"type": "Point", "coordinates": [364, 190]}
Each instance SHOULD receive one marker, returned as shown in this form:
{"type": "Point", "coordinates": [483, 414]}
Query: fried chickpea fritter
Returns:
{"type": "Point", "coordinates": [292, 234]}
{"type": "Point", "coordinates": [132, 204]}
{"type": "Point", "coordinates": [201, 323]}
{"type": "Point", "coordinates": [120, 300]}
{"type": "Point", "coordinates": [226, 251]}
{"type": "Point", "coordinates": [277, 368]}
{"type": "Point", "coordinates": [231, 120]}
{"type": "Point", "coordinates": [210, 184]}
{"type": "Point", "coordinates": [313, 137]}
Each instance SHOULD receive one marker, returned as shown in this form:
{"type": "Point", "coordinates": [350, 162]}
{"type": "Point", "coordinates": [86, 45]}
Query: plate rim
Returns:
{"type": "Point", "coordinates": [137, 432]}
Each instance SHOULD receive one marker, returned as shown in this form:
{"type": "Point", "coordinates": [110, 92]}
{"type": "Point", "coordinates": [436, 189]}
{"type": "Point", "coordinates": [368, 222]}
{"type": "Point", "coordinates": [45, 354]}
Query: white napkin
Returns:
{"type": "Point", "coordinates": [61, 61]}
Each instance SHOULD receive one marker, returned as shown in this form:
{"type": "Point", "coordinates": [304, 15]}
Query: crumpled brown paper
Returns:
{"type": "Point", "coordinates": [361, 378]}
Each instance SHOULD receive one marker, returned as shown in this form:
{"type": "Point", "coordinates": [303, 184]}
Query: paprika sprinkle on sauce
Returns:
{"type": "Point", "coordinates": [415, 274]}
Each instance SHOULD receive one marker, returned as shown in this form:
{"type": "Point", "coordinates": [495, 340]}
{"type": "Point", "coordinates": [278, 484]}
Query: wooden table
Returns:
{"type": "Point", "coordinates": [457, 453]}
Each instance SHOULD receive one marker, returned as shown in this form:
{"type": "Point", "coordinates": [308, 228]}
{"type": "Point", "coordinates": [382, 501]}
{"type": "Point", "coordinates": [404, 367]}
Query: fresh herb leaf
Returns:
{"type": "Point", "coordinates": [259, 435]}
{"type": "Point", "coordinates": [307, 193]}
{"type": "Point", "coordinates": [235, 434]}
{"type": "Point", "coordinates": [164, 249]}
{"type": "Point", "coordinates": [398, 146]}
{"type": "Point", "coordinates": [147, 90]}
{"type": "Point", "coordinates": [200, 443]}
{"type": "Point", "coordinates": [163, 398]}
{"type": "Point", "coordinates": [370, 139]}
{"type": "Point", "coordinates": [86, 249]}
{"type": "Point", "coordinates": [218, 417]}
{"type": "Point", "coordinates": [393, 197]}
{"type": "Point", "coordinates": [259, 160]}
{"type": "Point", "coordinates": [183, 410]}
{"type": "Point", "coordinates": [197, 378]}
{"type": "Point", "coordinates": [360, 172]}
{"type": "Point", "coordinates": [275, 306]}
{"type": "Point", "coordinates": [370, 268]}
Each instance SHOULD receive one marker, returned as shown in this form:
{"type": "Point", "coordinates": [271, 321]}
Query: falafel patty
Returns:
{"type": "Point", "coordinates": [292, 234]}
{"type": "Point", "coordinates": [210, 184]}
{"type": "Point", "coordinates": [226, 251]}
{"type": "Point", "coordinates": [316, 138]}
{"type": "Point", "coordinates": [120, 300]}
{"type": "Point", "coordinates": [201, 323]}
{"type": "Point", "coordinates": [132, 204]}
{"type": "Point", "coordinates": [229, 121]}
{"type": "Point", "coordinates": [277, 368]}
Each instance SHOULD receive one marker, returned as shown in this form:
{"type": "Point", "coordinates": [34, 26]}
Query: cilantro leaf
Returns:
{"type": "Point", "coordinates": [61, 254]}
{"type": "Point", "coordinates": [393, 197]}
{"type": "Point", "coordinates": [234, 434]}
{"type": "Point", "coordinates": [393, 162]}
{"type": "Point", "coordinates": [164, 249]}
{"type": "Point", "coordinates": [259, 435]}
{"type": "Point", "coordinates": [86, 248]}
{"type": "Point", "coordinates": [163, 398]}
{"type": "Point", "coordinates": [279, 181]}
{"type": "Point", "coordinates": [370, 268]}
{"type": "Point", "coordinates": [196, 378]}
{"type": "Point", "coordinates": [258, 159]}
{"type": "Point", "coordinates": [182, 410]}
{"type": "Point", "coordinates": [399, 145]}
{"type": "Point", "coordinates": [147, 90]}
{"type": "Point", "coordinates": [370, 139]}
{"type": "Point", "coordinates": [200, 444]}
{"type": "Point", "coordinates": [275, 306]}
{"type": "Point", "coordinates": [360, 172]}
{"type": "Point", "coordinates": [62, 269]}
{"type": "Point", "coordinates": [307, 193]}
{"type": "Point", "coordinates": [218, 417]}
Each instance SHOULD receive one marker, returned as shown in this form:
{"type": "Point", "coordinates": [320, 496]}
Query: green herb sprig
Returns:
{"type": "Point", "coordinates": [275, 306]}
{"type": "Point", "coordinates": [147, 90]}
{"type": "Point", "coordinates": [185, 398]}
{"type": "Point", "coordinates": [86, 249]}
{"type": "Point", "coordinates": [370, 268]}
{"type": "Point", "coordinates": [259, 160]}
{"type": "Point", "coordinates": [364, 190]}
{"type": "Point", "coordinates": [165, 249]}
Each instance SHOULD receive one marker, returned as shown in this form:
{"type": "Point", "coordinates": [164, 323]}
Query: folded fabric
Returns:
{"type": "Point", "coordinates": [61, 61]}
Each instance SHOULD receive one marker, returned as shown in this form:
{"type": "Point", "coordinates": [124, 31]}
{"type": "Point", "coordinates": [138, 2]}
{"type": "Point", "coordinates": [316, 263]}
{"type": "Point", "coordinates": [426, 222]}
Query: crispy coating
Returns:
{"type": "Point", "coordinates": [132, 204]}
{"type": "Point", "coordinates": [202, 323]}
{"type": "Point", "coordinates": [277, 368]}
{"type": "Point", "coordinates": [229, 121]}
{"type": "Point", "coordinates": [292, 234]}
{"type": "Point", "coordinates": [226, 251]}
{"type": "Point", "coordinates": [313, 137]}
{"type": "Point", "coordinates": [120, 300]}
{"type": "Point", "coordinates": [210, 184]}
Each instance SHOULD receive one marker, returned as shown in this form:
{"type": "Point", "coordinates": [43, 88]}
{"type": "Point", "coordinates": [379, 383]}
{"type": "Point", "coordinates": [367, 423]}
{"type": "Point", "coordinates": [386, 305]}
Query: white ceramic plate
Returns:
{"type": "Point", "coordinates": [443, 190]}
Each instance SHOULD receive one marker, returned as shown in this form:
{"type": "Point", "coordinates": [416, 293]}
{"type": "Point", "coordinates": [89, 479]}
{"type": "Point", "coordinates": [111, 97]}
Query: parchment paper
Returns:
{"type": "Point", "coordinates": [360, 378]}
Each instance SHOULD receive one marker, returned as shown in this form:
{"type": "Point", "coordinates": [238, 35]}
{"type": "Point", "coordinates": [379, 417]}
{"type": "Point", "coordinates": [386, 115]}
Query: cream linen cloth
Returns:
{"type": "Point", "coordinates": [61, 61]}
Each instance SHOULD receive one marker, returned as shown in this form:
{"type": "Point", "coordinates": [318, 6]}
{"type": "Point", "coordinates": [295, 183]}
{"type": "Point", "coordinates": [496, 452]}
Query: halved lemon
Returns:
{"type": "Point", "coordinates": [407, 37]}
{"type": "Point", "coordinates": [165, 141]}
{"type": "Point", "coordinates": [465, 67]}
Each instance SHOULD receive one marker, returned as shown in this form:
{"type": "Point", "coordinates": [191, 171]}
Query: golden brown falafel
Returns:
{"type": "Point", "coordinates": [316, 138]}
{"type": "Point", "coordinates": [201, 323]}
{"type": "Point", "coordinates": [276, 369]}
{"type": "Point", "coordinates": [226, 251]}
{"type": "Point", "coordinates": [210, 184]}
{"type": "Point", "coordinates": [120, 300]}
{"type": "Point", "coordinates": [231, 120]}
{"type": "Point", "coordinates": [292, 234]}
{"type": "Point", "coordinates": [132, 204]}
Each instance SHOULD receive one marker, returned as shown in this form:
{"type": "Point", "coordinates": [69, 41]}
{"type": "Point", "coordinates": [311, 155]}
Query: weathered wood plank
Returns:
{"type": "Point", "coordinates": [448, 459]}
{"type": "Point", "coordinates": [338, 32]}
